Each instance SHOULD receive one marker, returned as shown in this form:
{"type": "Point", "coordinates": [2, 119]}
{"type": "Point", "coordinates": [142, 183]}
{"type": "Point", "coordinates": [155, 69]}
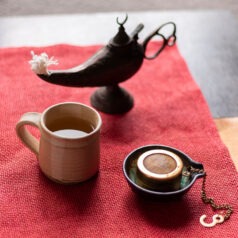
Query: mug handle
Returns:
{"type": "Point", "coordinates": [32, 119]}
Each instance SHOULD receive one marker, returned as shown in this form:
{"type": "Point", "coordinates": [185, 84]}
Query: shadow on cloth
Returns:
{"type": "Point", "coordinates": [70, 198]}
{"type": "Point", "coordinates": [163, 213]}
{"type": "Point", "coordinates": [119, 128]}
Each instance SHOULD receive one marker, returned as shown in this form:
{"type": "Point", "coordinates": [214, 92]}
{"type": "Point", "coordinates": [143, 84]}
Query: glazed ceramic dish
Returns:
{"type": "Point", "coordinates": [130, 170]}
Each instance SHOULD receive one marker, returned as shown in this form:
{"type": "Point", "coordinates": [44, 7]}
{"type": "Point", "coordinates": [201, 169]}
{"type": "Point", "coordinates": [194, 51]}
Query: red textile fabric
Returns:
{"type": "Point", "coordinates": [169, 109]}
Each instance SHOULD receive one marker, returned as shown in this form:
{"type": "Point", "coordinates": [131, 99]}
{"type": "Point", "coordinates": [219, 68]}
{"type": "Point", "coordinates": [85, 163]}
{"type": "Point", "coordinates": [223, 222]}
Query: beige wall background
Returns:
{"type": "Point", "coordinates": [36, 7]}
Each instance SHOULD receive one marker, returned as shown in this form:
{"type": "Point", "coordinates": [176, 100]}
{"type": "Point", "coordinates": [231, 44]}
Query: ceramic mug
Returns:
{"type": "Point", "coordinates": [68, 150]}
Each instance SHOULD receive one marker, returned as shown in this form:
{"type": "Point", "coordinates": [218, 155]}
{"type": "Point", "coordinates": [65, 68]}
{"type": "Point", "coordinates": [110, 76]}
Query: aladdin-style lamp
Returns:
{"type": "Point", "coordinates": [116, 62]}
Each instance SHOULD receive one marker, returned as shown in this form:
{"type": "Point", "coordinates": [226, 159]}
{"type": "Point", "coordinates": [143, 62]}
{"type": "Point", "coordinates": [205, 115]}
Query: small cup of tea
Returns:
{"type": "Point", "coordinates": [68, 150]}
{"type": "Point", "coordinates": [160, 170]}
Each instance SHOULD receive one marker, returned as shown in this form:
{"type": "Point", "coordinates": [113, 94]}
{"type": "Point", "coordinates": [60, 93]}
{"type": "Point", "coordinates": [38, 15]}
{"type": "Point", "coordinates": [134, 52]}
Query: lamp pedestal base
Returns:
{"type": "Point", "coordinates": [112, 100]}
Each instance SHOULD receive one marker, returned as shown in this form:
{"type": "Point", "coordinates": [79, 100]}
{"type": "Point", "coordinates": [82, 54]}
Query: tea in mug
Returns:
{"type": "Point", "coordinates": [70, 127]}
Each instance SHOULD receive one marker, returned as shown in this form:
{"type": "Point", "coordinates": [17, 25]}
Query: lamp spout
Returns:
{"type": "Point", "coordinates": [109, 66]}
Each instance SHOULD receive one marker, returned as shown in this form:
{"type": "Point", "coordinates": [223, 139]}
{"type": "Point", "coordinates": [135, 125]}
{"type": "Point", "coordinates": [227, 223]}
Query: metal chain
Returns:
{"type": "Point", "coordinates": [224, 207]}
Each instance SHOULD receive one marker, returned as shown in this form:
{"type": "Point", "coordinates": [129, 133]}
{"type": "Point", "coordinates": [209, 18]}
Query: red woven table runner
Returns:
{"type": "Point", "coordinates": [169, 109]}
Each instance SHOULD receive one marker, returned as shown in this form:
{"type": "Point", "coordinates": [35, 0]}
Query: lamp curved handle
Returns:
{"type": "Point", "coordinates": [168, 40]}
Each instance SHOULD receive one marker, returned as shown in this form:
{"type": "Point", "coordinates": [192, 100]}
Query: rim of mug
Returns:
{"type": "Point", "coordinates": [97, 128]}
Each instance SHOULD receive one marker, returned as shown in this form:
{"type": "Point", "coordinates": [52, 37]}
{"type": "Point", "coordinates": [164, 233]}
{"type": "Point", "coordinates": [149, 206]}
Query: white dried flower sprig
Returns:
{"type": "Point", "coordinates": [40, 63]}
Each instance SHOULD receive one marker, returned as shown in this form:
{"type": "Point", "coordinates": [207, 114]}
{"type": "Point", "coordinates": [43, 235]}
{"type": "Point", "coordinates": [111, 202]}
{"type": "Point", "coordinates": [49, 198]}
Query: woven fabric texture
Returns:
{"type": "Point", "coordinates": [169, 109]}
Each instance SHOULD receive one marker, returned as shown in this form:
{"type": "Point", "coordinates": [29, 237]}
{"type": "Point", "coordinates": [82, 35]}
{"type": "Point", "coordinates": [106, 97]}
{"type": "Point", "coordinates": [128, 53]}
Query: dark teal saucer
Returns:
{"type": "Point", "coordinates": [130, 172]}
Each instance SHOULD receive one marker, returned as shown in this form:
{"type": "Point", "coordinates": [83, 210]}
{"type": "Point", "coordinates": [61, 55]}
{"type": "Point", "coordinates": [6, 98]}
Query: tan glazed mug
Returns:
{"type": "Point", "coordinates": [68, 150]}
